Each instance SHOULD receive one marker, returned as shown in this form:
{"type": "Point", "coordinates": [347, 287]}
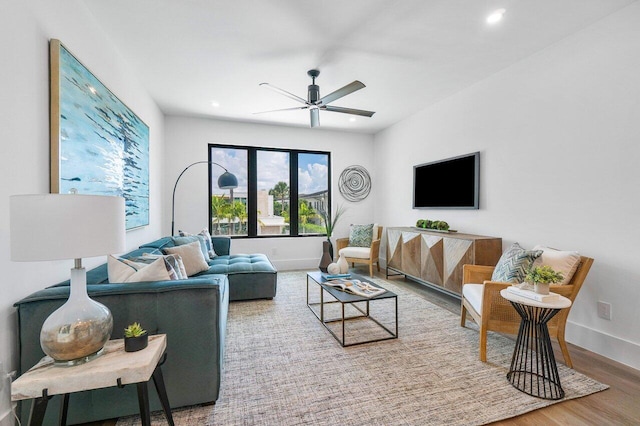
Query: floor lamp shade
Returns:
{"type": "Point", "coordinates": [64, 226]}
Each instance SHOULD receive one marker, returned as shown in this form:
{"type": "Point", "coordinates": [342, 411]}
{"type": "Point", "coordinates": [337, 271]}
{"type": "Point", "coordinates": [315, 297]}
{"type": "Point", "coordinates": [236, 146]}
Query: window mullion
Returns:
{"type": "Point", "coordinates": [293, 194]}
{"type": "Point", "coordinates": [252, 193]}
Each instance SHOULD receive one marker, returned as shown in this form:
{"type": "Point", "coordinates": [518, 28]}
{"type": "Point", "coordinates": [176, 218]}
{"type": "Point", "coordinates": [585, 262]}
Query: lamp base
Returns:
{"type": "Point", "coordinates": [79, 361]}
{"type": "Point", "coordinates": [77, 331]}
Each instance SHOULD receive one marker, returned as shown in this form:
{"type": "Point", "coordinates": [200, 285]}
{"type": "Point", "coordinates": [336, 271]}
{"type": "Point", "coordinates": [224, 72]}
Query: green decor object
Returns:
{"type": "Point", "coordinates": [361, 235]}
{"type": "Point", "coordinates": [134, 330]}
{"type": "Point", "coordinates": [439, 225]}
{"type": "Point", "coordinates": [329, 221]}
{"type": "Point", "coordinates": [135, 338]}
{"type": "Point", "coordinates": [514, 264]}
{"type": "Point", "coordinates": [542, 276]}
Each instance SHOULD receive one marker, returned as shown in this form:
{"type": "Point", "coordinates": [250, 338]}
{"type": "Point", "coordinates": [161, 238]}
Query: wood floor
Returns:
{"type": "Point", "coordinates": [618, 405]}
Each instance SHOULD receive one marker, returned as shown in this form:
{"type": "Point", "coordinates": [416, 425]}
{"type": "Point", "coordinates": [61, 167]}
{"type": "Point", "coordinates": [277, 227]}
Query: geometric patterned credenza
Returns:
{"type": "Point", "coordinates": [436, 258]}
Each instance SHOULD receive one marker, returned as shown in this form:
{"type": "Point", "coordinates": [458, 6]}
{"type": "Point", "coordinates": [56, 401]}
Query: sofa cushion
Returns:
{"type": "Point", "coordinates": [514, 264]}
{"type": "Point", "coordinates": [357, 252]}
{"type": "Point", "coordinates": [192, 256]}
{"type": "Point", "coordinates": [240, 264]}
{"type": "Point", "coordinates": [473, 294]}
{"type": "Point", "coordinates": [565, 262]}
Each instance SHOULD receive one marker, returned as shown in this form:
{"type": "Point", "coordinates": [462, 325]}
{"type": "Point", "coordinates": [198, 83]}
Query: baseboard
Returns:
{"type": "Point", "coordinates": [295, 264]}
{"type": "Point", "coordinates": [615, 348]}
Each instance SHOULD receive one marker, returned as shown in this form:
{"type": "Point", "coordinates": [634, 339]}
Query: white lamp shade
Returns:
{"type": "Point", "coordinates": [65, 226]}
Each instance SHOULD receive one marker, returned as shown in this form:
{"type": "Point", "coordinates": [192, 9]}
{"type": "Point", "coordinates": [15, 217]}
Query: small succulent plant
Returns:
{"type": "Point", "coordinates": [544, 275]}
{"type": "Point", "coordinates": [134, 330]}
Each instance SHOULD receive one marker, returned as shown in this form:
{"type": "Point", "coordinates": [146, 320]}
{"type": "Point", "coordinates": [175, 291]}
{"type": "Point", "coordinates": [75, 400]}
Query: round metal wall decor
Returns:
{"type": "Point", "coordinates": [355, 183]}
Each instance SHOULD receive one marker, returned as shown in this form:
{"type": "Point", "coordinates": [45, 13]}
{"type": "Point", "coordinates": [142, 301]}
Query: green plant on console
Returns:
{"type": "Point", "coordinates": [134, 330]}
{"type": "Point", "coordinates": [440, 225]}
{"type": "Point", "coordinates": [543, 275]}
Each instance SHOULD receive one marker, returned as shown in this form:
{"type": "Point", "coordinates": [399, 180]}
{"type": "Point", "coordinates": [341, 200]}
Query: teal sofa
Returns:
{"type": "Point", "coordinates": [192, 313]}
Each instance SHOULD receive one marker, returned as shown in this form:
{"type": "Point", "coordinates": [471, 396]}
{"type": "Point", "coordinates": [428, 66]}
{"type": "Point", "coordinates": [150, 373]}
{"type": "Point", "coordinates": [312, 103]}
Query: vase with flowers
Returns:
{"type": "Point", "coordinates": [330, 222]}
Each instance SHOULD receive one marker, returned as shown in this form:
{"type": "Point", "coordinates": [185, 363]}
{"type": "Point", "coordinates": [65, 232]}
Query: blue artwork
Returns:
{"type": "Point", "coordinates": [103, 147]}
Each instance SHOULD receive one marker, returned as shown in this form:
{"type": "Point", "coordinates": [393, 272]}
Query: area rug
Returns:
{"type": "Point", "coordinates": [282, 367]}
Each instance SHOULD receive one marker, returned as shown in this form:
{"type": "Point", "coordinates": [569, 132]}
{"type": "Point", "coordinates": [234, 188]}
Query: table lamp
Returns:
{"type": "Point", "coordinates": [62, 226]}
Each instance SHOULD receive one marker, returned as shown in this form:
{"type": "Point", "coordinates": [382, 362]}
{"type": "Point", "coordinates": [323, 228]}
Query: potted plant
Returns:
{"type": "Point", "coordinates": [542, 277]}
{"type": "Point", "coordinates": [135, 337]}
{"type": "Point", "coordinates": [329, 226]}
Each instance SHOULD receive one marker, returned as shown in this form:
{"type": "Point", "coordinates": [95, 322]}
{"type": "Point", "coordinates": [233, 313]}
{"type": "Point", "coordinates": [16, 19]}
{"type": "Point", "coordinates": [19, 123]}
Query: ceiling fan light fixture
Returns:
{"type": "Point", "coordinates": [495, 16]}
{"type": "Point", "coordinates": [314, 103]}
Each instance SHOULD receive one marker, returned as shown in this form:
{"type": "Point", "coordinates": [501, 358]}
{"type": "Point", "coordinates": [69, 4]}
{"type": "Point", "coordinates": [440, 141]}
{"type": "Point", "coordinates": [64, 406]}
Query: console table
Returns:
{"type": "Point", "coordinates": [436, 258]}
{"type": "Point", "coordinates": [114, 368]}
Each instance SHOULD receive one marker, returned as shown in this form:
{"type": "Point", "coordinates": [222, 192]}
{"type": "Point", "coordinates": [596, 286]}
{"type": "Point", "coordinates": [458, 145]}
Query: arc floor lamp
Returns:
{"type": "Point", "coordinates": [226, 180]}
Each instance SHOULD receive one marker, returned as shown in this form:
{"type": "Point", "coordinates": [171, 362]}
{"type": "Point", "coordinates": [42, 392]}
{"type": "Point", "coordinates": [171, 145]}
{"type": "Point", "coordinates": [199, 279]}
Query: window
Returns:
{"type": "Point", "coordinates": [281, 192]}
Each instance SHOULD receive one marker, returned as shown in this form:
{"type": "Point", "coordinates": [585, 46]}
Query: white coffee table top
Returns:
{"type": "Point", "coordinates": [102, 372]}
{"type": "Point", "coordinates": [560, 303]}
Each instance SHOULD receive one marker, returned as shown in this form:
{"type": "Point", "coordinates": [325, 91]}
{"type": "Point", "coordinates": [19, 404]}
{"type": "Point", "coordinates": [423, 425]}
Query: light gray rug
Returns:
{"type": "Point", "coordinates": [283, 367]}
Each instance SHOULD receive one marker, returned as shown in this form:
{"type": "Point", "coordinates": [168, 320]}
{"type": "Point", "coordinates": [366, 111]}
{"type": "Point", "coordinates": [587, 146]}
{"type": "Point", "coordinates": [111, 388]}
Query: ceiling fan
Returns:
{"type": "Point", "coordinates": [315, 103]}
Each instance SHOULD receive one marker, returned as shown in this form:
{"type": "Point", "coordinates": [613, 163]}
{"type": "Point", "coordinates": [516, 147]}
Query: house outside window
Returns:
{"type": "Point", "coordinates": [280, 191]}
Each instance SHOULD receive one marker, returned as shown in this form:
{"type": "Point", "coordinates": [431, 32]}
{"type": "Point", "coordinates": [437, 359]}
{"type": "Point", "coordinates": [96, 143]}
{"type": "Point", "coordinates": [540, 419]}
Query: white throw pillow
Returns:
{"type": "Point", "coordinates": [192, 257]}
{"type": "Point", "coordinates": [125, 271]}
{"type": "Point", "coordinates": [565, 262]}
{"type": "Point", "coordinates": [175, 260]}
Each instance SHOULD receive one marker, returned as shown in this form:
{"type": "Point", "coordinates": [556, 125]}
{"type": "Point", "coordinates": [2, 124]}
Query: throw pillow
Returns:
{"type": "Point", "coordinates": [360, 235]}
{"type": "Point", "coordinates": [122, 270]}
{"type": "Point", "coordinates": [565, 262]}
{"type": "Point", "coordinates": [205, 233]}
{"type": "Point", "coordinates": [207, 240]}
{"type": "Point", "coordinates": [191, 255]}
{"type": "Point", "coordinates": [186, 239]}
{"type": "Point", "coordinates": [514, 264]}
{"type": "Point", "coordinates": [174, 260]}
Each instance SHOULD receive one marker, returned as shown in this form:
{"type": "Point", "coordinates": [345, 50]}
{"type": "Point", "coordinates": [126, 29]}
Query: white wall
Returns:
{"type": "Point", "coordinates": [559, 136]}
{"type": "Point", "coordinates": [25, 28]}
{"type": "Point", "coordinates": [187, 141]}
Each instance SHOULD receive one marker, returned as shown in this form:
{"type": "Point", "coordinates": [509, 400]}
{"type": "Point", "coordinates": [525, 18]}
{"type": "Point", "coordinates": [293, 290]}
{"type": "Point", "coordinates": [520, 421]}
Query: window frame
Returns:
{"type": "Point", "coordinates": [252, 188]}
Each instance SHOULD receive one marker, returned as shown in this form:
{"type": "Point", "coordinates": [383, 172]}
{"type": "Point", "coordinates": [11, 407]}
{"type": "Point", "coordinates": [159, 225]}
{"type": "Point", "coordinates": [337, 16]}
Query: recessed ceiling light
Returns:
{"type": "Point", "coordinates": [352, 119]}
{"type": "Point", "coordinates": [215, 104]}
{"type": "Point", "coordinates": [495, 16]}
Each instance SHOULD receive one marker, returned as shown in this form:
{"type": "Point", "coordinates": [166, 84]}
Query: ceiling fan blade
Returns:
{"type": "Point", "coordinates": [284, 109]}
{"type": "Point", "coordinates": [284, 92]}
{"type": "Point", "coordinates": [315, 117]}
{"type": "Point", "coordinates": [348, 110]}
{"type": "Point", "coordinates": [343, 91]}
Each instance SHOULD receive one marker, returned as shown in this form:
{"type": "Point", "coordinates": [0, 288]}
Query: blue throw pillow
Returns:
{"type": "Point", "coordinates": [514, 264]}
{"type": "Point", "coordinates": [360, 235]}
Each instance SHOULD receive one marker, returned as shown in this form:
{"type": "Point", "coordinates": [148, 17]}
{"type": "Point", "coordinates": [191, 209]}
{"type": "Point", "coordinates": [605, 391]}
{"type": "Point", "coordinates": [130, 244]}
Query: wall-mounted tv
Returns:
{"type": "Point", "coordinates": [452, 183]}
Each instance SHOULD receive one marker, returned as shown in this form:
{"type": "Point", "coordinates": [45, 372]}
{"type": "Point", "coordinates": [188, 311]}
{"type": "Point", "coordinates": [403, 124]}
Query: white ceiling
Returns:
{"type": "Point", "coordinates": [409, 53]}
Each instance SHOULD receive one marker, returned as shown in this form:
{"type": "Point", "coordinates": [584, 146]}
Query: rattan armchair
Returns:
{"type": "Point", "coordinates": [365, 255]}
{"type": "Point", "coordinates": [495, 313]}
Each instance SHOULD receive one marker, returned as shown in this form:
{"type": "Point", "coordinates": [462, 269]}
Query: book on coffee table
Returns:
{"type": "Point", "coordinates": [357, 287]}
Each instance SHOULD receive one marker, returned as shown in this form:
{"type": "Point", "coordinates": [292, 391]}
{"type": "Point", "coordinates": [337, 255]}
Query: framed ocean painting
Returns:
{"type": "Point", "coordinates": [98, 145]}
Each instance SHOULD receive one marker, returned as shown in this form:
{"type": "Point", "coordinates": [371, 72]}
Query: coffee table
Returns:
{"type": "Point", "coordinates": [343, 298]}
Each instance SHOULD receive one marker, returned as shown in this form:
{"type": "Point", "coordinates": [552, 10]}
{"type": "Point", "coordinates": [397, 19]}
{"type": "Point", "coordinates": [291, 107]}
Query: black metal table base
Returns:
{"type": "Point", "coordinates": [343, 319]}
{"type": "Point", "coordinates": [533, 366]}
{"type": "Point", "coordinates": [39, 405]}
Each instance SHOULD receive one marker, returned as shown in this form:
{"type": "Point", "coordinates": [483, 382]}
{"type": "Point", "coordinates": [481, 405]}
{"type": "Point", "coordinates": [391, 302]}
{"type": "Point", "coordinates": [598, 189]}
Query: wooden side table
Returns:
{"type": "Point", "coordinates": [533, 366]}
{"type": "Point", "coordinates": [114, 368]}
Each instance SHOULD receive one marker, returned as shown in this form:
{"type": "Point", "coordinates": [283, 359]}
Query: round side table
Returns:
{"type": "Point", "coordinates": [533, 366]}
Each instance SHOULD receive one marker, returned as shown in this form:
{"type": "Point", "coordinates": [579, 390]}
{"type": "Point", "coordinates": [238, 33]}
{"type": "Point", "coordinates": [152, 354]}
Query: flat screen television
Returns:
{"type": "Point", "coordinates": [452, 183]}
